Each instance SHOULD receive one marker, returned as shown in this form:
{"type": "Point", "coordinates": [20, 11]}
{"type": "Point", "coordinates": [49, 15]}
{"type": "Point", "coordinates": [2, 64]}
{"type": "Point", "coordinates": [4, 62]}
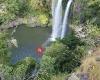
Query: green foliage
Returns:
{"type": "Point", "coordinates": [13, 9]}
{"type": "Point", "coordinates": [92, 33]}
{"type": "Point", "coordinates": [86, 10]}
{"type": "Point", "coordinates": [55, 49]}
{"type": "Point", "coordinates": [62, 56]}
{"type": "Point", "coordinates": [6, 17]}
{"type": "Point", "coordinates": [17, 7]}
{"type": "Point", "coordinates": [11, 6]}
{"type": "Point", "coordinates": [92, 30]}
{"type": "Point", "coordinates": [24, 8]}
{"type": "Point", "coordinates": [60, 76]}
{"type": "Point", "coordinates": [19, 71]}
{"type": "Point", "coordinates": [5, 69]}
{"type": "Point", "coordinates": [22, 70]}
{"type": "Point", "coordinates": [43, 75]}
{"type": "Point", "coordinates": [10, 10]}
{"type": "Point", "coordinates": [68, 60]}
{"type": "Point", "coordinates": [42, 6]}
{"type": "Point", "coordinates": [94, 9]}
{"type": "Point", "coordinates": [46, 68]}
{"type": "Point", "coordinates": [47, 64]}
{"type": "Point", "coordinates": [6, 72]}
{"type": "Point", "coordinates": [43, 19]}
{"type": "Point", "coordinates": [4, 55]}
{"type": "Point", "coordinates": [72, 41]}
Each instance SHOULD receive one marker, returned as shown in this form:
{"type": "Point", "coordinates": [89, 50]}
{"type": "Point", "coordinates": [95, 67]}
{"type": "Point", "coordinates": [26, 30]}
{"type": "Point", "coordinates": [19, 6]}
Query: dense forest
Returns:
{"type": "Point", "coordinates": [77, 54]}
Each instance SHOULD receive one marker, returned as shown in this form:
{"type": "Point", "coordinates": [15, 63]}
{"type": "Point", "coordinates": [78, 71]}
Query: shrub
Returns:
{"type": "Point", "coordinates": [68, 60]}
{"type": "Point", "coordinates": [47, 64]}
{"type": "Point", "coordinates": [55, 49]}
{"type": "Point", "coordinates": [48, 60]}
{"type": "Point", "coordinates": [4, 55]}
{"type": "Point", "coordinates": [46, 68]}
{"type": "Point", "coordinates": [71, 41]}
{"type": "Point", "coordinates": [24, 68]}
{"type": "Point", "coordinates": [43, 19]}
{"type": "Point", "coordinates": [60, 57]}
{"type": "Point", "coordinates": [6, 72]}
{"type": "Point", "coordinates": [43, 75]}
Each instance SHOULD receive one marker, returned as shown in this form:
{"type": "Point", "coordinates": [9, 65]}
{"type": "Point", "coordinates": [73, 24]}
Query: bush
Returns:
{"type": "Point", "coordinates": [71, 41]}
{"type": "Point", "coordinates": [6, 72]}
{"type": "Point", "coordinates": [43, 19]}
{"type": "Point", "coordinates": [64, 55]}
{"type": "Point", "coordinates": [43, 75]}
{"type": "Point", "coordinates": [48, 60]}
{"type": "Point", "coordinates": [24, 68]}
{"type": "Point", "coordinates": [68, 60]}
{"type": "Point", "coordinates": [4, 54]}
{"type": "Point", "coordinates": [47, 64]}
{"type": "Point", "coordinates": [55, 49]}
{"type": "Point", "coordinates": [46, 68]}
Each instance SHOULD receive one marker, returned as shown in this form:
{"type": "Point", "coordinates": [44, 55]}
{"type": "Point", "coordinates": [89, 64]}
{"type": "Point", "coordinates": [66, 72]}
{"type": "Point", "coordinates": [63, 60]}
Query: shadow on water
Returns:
{"type": "Point", "coordinates": [29, 39]}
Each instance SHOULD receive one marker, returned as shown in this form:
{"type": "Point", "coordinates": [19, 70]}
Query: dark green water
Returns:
{"type": "Point", "coordinates": [28, 40]}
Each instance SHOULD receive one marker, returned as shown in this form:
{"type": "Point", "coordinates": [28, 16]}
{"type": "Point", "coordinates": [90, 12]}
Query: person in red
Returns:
{"type": "Point", "coordinates": [40, 50]}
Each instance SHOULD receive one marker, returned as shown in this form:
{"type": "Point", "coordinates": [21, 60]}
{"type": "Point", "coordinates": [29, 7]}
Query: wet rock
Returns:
{"type": "Point", "coordinates": [73, 77]}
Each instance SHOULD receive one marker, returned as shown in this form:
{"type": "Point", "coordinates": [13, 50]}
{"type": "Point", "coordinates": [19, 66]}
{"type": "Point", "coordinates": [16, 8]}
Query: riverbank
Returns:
{"type": "Point", "coordinates": [31, 21]}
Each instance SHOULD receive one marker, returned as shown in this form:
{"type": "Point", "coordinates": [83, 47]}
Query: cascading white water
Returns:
{"type": "Point", "coordinates": [65, 20]}
{"type": "Point", "coordinates": [57, 20]}
{"type": "Point", "coordinates": [54, 4]}
{"type": "Point", "coordinates": [59, 27]}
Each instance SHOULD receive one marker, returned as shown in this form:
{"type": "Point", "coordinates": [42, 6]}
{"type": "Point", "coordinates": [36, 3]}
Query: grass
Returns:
{"type": "Point", "coordinates": [91, 66]}
{"type": "Point", "coordinates": [60, 76]}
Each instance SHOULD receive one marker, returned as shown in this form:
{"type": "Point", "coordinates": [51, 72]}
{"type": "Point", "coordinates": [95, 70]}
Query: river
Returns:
{"type": "Point", "coordinates": [29, 39]}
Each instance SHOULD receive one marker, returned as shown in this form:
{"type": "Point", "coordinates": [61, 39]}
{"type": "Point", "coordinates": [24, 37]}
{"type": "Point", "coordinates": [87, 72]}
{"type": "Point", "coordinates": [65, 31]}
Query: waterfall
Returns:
{"type": "Point", "coordinates": [59, 27]}
{"type": "Point", "coordinates": [65, 20]}
{"type": "Point", "coordinates": [54, 4]}
{"type": "Point", "coordinates": [57, 19]}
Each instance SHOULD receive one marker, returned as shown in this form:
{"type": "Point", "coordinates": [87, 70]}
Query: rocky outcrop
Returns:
{"type": "Point", "coordinates": [78, 76]}
{"type": "Point", "coordinates": [73, 77]}
{"type": "Point", "coordinates": [32, 21]}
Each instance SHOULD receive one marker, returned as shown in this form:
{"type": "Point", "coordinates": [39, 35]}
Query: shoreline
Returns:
{"type": "Point", "coordinates": [33, 22]}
